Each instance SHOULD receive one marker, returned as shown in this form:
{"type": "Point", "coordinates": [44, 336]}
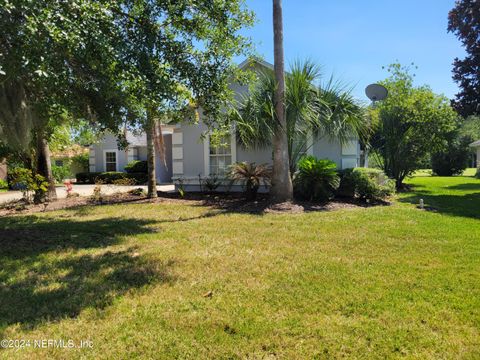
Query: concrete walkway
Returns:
{"type": "Point", "coordinates": [84, 190]}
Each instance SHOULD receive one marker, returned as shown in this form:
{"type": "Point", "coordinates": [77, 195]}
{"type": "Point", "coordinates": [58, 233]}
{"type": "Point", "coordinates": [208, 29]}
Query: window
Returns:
{"type": "Point", "coordinates": [221, 157]}
{"type": "Point", "coordinates": [110, 161]}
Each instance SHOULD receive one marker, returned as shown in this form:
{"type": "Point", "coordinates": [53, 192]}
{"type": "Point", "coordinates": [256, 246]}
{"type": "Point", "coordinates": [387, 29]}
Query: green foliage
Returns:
{"type": "Point", "coordinates": [365, 184]}
{"type": "Point", "coordinates": [463, 21]}
{"type": "Point", "coordinates": [470, 127]}
{"type": "Point", "coordinates": [315, 179]}
{"type": "Point", "coordinates": [3, 184]}
{"type": "Point", "coordinates": [453, 160]}
{"type": "Point", "coordinates": [110, 177]}
{"type": "Point", "coordinates": [61, 173]}
{"type": "Point", "coordinates": [33, 187]}
{"type": "Point", "coordinates": [211, 183]}
{"type": "Point", "coordinates": [137, 166]}
{"type": "Point", "coordinates": [322, 110]}
{"type": "Point", "coordinates": [410, 124]}
{"type": "Point", "coordinates": [81, 161]}
{"type": "Point", "coordinates": [252, 176]}
{"type": "Point", "coordinates": [180, 185]}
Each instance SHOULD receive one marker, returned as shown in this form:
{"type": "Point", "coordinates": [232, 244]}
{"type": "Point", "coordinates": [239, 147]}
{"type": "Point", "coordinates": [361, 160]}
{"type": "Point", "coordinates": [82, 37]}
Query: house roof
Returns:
{"type": "Point", "coordinates": [252, 60]}
{"type": "Point", "coordinates": [475, 144]}
{"type": "Point", "coordinates": [136, 139]}
{"type": "Point", "coordinates": [140, 138]}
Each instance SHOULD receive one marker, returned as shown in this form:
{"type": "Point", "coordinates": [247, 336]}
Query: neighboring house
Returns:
{"type": "Point", "coordinates": [476, 146]}
{"type": "Point", "coordinates": [106, 156]}
{"type": "Point", "coordinates": [3, 169]}
{"type": "Point", "coordinates": [71, 157]}
{"type": "Point", "coordinates": [192, 159]}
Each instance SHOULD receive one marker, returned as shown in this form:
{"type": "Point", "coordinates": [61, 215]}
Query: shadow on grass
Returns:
{"type": "Point", "coordinates": [465, 205]}
{"type": "Point", "coordinates": [44, 278]}
{"type": "Point", "coordinates": [467, 187]}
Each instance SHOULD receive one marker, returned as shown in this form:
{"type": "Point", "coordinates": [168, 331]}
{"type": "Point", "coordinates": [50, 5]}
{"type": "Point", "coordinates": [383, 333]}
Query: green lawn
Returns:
{"type": "Point", "coordinates": [380, 282]}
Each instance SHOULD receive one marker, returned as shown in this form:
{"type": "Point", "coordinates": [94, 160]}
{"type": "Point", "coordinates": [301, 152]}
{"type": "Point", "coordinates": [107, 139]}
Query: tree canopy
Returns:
{"type": "Point", "coordinates": [411, 123]}
{"type": "Point", "coordinates": [464, 22]}
{"type": "Point", "coordinates": [110, 61]}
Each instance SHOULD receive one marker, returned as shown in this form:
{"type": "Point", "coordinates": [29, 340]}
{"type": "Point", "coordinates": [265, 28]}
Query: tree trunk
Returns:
{"type": "Point", "coordinates": [44, 166]}
{"type": "Point", "coordinates": [152, 181]}
{"type": "Point", "coordinates": [282, 189]}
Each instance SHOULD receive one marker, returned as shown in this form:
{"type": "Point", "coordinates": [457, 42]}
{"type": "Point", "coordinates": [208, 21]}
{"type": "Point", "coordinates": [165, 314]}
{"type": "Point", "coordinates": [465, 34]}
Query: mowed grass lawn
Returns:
{"type": "Point", "coordinates": [172, 280]}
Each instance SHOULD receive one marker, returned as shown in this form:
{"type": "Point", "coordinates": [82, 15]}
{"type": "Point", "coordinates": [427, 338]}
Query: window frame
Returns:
{"type": "Point", "coordinates": [207, 155]}
{"type": "Point", "coordinates": [115, 151]}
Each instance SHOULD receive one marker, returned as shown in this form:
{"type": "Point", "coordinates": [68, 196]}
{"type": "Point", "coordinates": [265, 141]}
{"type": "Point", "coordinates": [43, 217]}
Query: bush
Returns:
{"type": "Point", "coordinates": [110, 177]}
{"type": "Point", "coordinates": [33, 186]}
{"type": "Point", "coordinates": [87, 177]}
{"type": "Point", "coordinates": [81, 161]}
{"type": "Point", "coordinates": [454, 160]}
{"type": "Point", "coordinates": [60, 173]}
{"type": "Point", "coordinates": [252, 175]}
{"type": "Point", "coordinates": [137, 166]}
{"type": "Point", "coordinates": [365, 183]}
{"type": "Point", "coordinates": [3, 184]}
{"type": "Point", "coordinates": [315, 179]}
{"type": "Point", "coordinates": [211, 183]}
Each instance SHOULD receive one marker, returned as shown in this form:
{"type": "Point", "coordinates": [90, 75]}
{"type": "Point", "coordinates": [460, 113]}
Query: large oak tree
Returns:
{"type": "Point", "coordinates": [111, 61]}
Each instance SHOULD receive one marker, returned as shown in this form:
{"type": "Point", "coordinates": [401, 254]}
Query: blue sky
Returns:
{"type": "Point", "coordinates": [353, 39]}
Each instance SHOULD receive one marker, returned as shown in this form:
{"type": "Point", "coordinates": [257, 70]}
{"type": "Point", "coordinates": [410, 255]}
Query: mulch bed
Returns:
{"type": "Point", "coordinates": [223, 202]}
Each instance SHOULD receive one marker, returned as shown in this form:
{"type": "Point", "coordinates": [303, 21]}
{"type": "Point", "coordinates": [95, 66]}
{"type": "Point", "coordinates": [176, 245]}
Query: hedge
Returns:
{"type": "Point", "coordinates": [110, 177]}
{"type": "Point", "coordinates": [365, 183]}
{"type": "Point", "coordinates": [137, 166]}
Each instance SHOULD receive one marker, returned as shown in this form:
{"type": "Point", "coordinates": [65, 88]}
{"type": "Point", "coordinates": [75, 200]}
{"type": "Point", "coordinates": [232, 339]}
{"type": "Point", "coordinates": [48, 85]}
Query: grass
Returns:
{"type": "Point", "coordinates": [184, 281]}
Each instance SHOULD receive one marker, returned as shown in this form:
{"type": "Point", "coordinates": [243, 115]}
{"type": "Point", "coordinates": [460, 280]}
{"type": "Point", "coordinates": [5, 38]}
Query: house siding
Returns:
{"type": "Point", "coordinates": [193, 151]}
{"type": "Point", "coordinates": [109, 142]}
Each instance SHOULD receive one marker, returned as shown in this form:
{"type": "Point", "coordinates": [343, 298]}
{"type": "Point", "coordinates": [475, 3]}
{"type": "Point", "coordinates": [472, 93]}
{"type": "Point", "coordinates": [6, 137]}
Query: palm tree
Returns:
{"type": "Point", "coordinates": [282, 189]}
{"type": "Point", "coordinates": [313, 111]}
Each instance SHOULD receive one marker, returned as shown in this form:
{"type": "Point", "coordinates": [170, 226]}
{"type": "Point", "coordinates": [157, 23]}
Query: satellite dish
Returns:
{"type": "Point", "coordinates": [376, 92]}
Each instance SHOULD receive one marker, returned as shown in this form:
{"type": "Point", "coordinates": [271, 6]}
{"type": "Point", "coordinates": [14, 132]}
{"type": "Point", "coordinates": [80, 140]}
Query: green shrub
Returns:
{"type": "Point", "coordinates": [81, 161]}
{"type": "Point", "coordinates": [211, 183]}
{"type": "Point", "coordinates": [3, 184]}
{"type": "Point", "coordinates": [60, 173]}
{"type": "Point", "coordinates": [251, 175]}
{"type": "Point", "coordinates": [140, 178]}
{"type": "Point", "coordinates": [110, 177]}
{"type": "Point", "coordinates": [87, 177]}
{"type": "Point", "coordinates": [315, 179]}
{"type": "Point", "coordinates": [34, 187]}
{"type": "Point", "coordinates": [365, 183]}
{"type": "Point", "coordinates": [137, 166]}
{"type": "Point", "coordinates": [454, 159]}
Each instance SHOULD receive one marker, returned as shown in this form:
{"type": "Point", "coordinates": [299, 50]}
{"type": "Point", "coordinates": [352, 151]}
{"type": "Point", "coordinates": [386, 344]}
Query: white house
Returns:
{"type": "Point", "coordinates": [190, 157]}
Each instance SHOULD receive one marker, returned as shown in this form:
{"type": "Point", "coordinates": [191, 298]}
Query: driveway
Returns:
{"type": "Point", "coordinates": [84, 190]}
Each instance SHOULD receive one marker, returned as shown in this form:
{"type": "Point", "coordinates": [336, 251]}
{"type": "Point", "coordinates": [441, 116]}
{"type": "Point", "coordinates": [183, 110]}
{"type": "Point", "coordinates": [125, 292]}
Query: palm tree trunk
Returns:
{"type": "Point", "coordinates": [152, 181]}
{"type": "Point", "coordinates": [281, 182]}
{"type": "Point", "coordinates": [44, 166]}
